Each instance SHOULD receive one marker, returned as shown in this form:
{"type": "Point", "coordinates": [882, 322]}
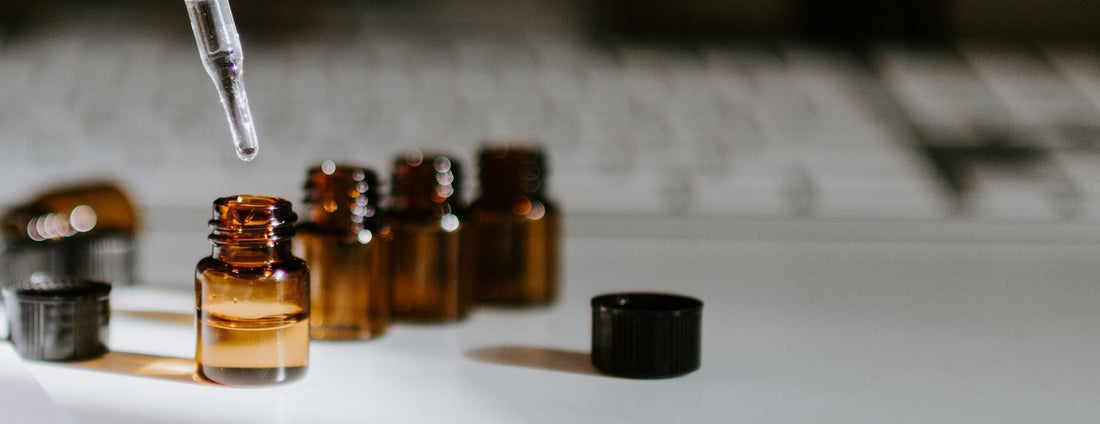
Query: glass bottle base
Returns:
{"type": "Point", "coordinates": [345, 333]}
{"type": "Point", "coordinates": [427, 317]}
{"type": "Point", "coordinates": [252, 376]}
{"type": "Point", "coordinates": [514, 302]}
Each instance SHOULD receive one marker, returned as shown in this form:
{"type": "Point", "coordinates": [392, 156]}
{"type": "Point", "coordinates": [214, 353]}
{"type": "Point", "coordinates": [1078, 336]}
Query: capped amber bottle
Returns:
{"type": "Point", "coordinates": [513, 229]}
{"type": "Point", "coordinates": [81, 230]}
{"type": "Point", "coordinates": [252, 295]}
{"type": "Point", "coordinates": [346, 243]}
{"type": "Point", "coordinates": [427, 221]}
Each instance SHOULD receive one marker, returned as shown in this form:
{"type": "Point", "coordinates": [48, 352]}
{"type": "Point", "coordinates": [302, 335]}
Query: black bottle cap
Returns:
{"type": "Point", "coordinates": [646, 335]}
{"type": "Point", "coordinates": [59, 319]}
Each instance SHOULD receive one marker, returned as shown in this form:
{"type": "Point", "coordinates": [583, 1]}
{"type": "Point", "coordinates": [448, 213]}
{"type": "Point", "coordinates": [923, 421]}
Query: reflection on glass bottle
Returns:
{"type": "Point", "coordinates": [427, 219]}
{"type": "Point", "coordinates": [82, 231]}
{"type": "Point", "coordinates": [252, 295]}
{"type": "Point", "coordinates": [346, 243]}
{"type": "Point", "coordinates": [513, 229]}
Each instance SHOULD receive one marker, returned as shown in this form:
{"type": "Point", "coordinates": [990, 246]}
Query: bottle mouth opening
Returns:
{"type": "Point", "coordinates": [246, 201]}
{"type": "Point", "coordinates": [243, 218]}
{"type": "Point", "coordinates": [519, 147]}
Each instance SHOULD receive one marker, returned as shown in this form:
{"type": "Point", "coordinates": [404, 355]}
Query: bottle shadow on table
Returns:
{"type": "Point", "coordinates": [156, 316]}
{"type": "Point", "coordinates": [143, 365]}
{"type": "Point", "coordinates": [546, 358]}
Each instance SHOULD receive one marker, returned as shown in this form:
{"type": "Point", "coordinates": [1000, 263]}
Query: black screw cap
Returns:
{"type": "Point", "coordinates": [646, 335]}
{"type": "Point", "coordinates": [59, 320]}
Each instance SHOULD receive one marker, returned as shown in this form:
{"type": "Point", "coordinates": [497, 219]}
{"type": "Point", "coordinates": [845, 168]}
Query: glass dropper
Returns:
{"type": "Point", "coordinates": [220, 50]}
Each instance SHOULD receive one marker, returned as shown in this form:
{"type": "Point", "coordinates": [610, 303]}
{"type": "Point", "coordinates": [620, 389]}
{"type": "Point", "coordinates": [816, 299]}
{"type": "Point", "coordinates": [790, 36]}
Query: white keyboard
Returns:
{"type": "Point", "coordinates": [700, 130]}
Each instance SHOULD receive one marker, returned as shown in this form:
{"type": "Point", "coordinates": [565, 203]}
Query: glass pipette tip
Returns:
{"type": "Point", "coordinates": [220, 51]}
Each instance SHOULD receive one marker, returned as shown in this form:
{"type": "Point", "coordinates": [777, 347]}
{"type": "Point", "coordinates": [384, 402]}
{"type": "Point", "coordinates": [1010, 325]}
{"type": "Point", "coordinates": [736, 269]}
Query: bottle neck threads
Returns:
{"type": "Point", "coordinates": [342, 198]}
{"type": "Point", "coordinates": [252, 230]}
{"type": "Point", "coordinates": [507, 173]}
{"type": "Point", "coordinates": [428, 185]}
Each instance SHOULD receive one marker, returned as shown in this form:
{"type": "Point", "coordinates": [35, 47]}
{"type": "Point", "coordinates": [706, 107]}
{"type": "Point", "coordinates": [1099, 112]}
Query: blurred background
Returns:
{"type": "Point", "coordinates": [968, 120]}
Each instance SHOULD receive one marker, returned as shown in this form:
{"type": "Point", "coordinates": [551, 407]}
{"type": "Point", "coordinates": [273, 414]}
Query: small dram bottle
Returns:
{"type": "Point", "coordinates": [426, 218]}
{"type": "Point", "coordinates": [82, 230]}
{"type": "Point", "coordinates": [346, 243]}
{"type": "Point", "coordinates": [513, 229]}
{"type": "Point", "coordinates": [252, 295]}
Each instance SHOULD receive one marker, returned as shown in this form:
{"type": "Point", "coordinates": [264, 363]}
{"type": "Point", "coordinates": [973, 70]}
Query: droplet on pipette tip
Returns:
{"type": "Point", "coordinates": [240, 124]}
{"type": "Point", "coordinates": [246, 153]}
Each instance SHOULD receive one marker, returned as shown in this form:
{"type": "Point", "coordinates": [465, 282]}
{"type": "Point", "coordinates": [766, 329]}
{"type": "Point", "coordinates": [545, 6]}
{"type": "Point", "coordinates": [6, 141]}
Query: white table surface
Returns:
{"type": "Point", "coordinates": [793, 332]}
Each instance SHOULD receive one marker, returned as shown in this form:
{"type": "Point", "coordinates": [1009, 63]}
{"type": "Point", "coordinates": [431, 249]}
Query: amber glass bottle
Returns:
{"type": "Point", "coordinates": [426, 218]}
{"type": "Point", "coordinates": [83, 230]}
{"type": "Point", "coordinates": [513, 229]}
{"type": "Point", "coordinates": [346, 244]}
{"type": "Point", "coordinates": [252, 295]}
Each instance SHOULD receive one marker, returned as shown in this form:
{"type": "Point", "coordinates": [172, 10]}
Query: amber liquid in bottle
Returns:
{"type": "Point", "coordinates": [252, 296]}
{"type": "Point", "coordinates": [426, 219]}
{"type": "Point", "coordinates": [346, 243]}
{"type": "Point", "coordinates": [513, 229]}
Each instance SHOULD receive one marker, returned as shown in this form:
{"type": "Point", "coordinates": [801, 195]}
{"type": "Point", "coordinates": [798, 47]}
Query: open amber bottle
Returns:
{"type": "Point", "coordinates": [252, 295]}
{"type": "Point", "coordinates": [426, 218]}
{"type": "Point", "coordinates": [346, 243]}
{"type": "Point", "coordinates": [513, 229]}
